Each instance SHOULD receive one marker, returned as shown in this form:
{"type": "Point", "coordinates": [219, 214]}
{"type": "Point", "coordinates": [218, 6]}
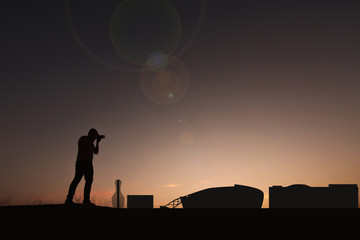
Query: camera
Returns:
{"type": "Point", "coordinates": [100, 137]}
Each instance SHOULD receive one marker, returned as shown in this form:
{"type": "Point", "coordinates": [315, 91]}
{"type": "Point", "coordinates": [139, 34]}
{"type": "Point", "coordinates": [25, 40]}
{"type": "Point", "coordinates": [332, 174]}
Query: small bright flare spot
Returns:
{"type": "Point", "coordinates": [187, 138]}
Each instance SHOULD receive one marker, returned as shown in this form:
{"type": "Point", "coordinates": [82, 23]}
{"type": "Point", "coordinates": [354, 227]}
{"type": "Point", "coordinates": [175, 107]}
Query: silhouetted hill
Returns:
{"type": "Point", "coordinates": [83, 220]}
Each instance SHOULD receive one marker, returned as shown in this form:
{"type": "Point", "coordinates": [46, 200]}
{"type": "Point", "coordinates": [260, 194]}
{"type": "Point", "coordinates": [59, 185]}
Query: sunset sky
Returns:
{"type": "Point", "coordinates": [190, 95]}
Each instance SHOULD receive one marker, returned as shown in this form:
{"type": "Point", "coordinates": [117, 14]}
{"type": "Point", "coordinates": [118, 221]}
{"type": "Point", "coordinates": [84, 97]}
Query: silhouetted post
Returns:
{"type": "Point", "coordinates": [118, 193]}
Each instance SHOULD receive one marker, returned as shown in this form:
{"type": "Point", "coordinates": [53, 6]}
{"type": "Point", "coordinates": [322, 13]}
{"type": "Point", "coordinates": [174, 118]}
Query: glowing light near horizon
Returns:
{"type": "Point", "coordinates": [171, 185]}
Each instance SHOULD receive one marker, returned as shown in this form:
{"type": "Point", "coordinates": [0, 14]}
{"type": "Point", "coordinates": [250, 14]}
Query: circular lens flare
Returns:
{"type": "Point", "coordinates": [87, 27]}
{"type": "Point", "coordinates": [166, 86]}
{"type": "Point", "coordinates": [187, 138]}
{"type": "Point", "coordinates": [140, 27]}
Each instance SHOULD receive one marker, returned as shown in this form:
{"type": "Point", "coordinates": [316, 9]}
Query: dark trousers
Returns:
{"type": "Point", "coordinates": [82, 168]}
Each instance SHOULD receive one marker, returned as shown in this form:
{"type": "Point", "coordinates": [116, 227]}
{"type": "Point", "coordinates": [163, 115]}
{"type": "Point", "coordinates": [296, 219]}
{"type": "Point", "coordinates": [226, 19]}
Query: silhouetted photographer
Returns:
{"type": "Point", "coordinates": [84, 166]}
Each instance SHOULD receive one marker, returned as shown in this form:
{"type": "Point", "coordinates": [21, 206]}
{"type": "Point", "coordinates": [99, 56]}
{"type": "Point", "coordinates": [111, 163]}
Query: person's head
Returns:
{"type": "Point", "coordinates": [93, 134]}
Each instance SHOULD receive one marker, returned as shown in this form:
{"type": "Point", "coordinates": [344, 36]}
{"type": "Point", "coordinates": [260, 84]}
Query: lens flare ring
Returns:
{"type": "Point", "coordinates": [140, 27]}
{"type": "Point", "coordinates": [166, 86]}
{"type": "Point", "coordinates": [106, 55]}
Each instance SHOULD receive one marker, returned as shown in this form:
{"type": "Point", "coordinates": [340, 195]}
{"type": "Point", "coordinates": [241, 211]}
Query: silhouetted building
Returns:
{"type": "Point", "coordinates": [238, 196]}
{"type": "Point", "coordinates": [140, 201]}
{"type": "Point", "coordinates": [303, 196]}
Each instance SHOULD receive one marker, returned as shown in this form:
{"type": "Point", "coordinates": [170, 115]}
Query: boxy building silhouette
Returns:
{"type": "Point", "coordinates": [140, 201]}
{"type": "Point", "coordinates": [303, 196]}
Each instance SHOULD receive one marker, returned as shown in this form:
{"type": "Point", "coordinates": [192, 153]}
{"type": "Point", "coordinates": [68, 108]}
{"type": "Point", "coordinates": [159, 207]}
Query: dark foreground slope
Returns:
{"type": "Point", "coordinates": [84, 221]}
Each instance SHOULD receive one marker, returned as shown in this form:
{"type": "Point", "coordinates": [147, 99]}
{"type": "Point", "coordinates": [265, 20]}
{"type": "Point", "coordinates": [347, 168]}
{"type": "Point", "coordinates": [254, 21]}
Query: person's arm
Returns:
{"type": "Point", "coordinates": [96, 149]}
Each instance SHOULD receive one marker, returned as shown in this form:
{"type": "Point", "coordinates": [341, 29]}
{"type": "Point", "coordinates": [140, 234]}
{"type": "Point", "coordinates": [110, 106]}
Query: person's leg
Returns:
{"type": "Point", "coordinates": [89, 173]}
{"type": "Point", "coordinates": [79, 172]}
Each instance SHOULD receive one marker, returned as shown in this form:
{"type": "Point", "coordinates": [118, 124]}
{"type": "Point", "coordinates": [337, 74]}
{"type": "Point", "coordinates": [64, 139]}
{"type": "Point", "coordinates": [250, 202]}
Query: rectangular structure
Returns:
{"type": "Point", "coordinates": [303, 196]}
{"type": "Point", "coordinates": [140, 201]}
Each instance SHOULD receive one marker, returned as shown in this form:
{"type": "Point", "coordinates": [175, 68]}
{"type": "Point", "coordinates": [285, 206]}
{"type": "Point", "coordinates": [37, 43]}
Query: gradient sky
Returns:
{"type": "Point", "coordinates": [272, 97]}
